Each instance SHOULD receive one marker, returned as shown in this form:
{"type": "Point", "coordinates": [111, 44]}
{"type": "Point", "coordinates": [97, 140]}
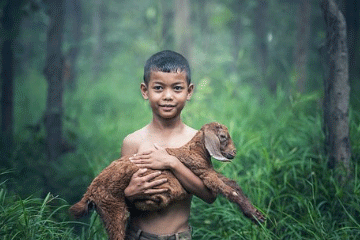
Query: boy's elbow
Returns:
{"type": "Point", "coordinates": [210, 198]}
{"type": "Point", "coordinates": [210, 201]}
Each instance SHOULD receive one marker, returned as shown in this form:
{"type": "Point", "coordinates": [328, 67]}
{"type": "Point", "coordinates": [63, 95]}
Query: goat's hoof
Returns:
{"type": "Point", "coordinates": [259, 217]}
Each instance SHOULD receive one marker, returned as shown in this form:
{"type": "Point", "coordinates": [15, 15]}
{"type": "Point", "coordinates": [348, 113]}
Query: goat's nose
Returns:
{"type": "Point", "coordinates": [234, 152]}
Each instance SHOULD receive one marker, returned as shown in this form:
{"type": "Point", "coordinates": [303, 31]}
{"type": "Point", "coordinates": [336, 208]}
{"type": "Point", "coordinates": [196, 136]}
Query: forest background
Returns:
{"type": "Point", "coordinates": [257, 66]}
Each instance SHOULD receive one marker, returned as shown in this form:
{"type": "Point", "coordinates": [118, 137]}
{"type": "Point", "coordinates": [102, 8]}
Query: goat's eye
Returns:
{"type": "Point", "coordinates": [222, 137]}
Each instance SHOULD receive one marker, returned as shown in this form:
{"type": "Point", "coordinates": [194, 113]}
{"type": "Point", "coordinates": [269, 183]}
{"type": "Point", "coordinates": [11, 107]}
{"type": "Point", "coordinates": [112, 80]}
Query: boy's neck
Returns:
{"type": "Point", "coordinates": [166, 124]}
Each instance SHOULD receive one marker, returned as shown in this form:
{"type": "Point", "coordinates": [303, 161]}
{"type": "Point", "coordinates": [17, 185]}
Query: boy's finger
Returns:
{"type": "Point", "coordinates": [144, 153]}
{"type": "Point", "coordinates": [137, 157]}
{"type": "Point", "coordinates": [157, 147]}
{"type": "Point", "coordinates": [156, 183]}
{"type": "Point", "coordinates": [140, 172]}
{"type": "Point", "coordinates": [155, 190]}
{"type": "Point", "coordinates": [141, 163]}
{"type": "Point", "coordinates": [151, 176]}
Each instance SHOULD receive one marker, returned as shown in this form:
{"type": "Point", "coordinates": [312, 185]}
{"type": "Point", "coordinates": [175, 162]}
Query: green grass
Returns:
{"type": "Point", "coordinates": [282, 167]}
{"type": "Point", "coordinates": [280, 164]}
{"type": "Point", "coordinates": [36, 218]}
{"type": "Point", "coordinates": [32, 218]}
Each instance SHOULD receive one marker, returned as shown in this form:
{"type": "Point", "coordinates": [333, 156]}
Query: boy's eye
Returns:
{"type": "Point", "coordinates": [157, 87]}
{"type": "Point", "coordinates": [178, 88]}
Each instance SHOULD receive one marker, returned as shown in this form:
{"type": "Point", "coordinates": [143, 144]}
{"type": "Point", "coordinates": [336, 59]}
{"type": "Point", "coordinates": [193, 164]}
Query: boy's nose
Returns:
{"type": "Point", "coordinates": [167, 94]}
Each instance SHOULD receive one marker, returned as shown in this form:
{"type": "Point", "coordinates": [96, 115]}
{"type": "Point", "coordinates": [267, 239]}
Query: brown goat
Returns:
{"type": "Point", "coordinates": [106, 192]}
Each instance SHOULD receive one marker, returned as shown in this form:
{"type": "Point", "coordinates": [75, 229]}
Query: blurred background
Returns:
{"type": "Point", "coordinates": [72, 68]}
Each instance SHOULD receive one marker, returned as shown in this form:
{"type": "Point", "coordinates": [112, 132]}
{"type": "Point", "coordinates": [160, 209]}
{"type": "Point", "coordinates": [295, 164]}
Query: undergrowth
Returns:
{"type": "Point", "coordinates": [280, 164]}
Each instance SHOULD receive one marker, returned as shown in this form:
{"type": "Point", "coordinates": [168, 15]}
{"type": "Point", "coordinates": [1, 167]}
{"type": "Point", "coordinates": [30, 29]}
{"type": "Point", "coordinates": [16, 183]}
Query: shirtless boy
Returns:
{"type": "Point", "coordinates": [167, 86]}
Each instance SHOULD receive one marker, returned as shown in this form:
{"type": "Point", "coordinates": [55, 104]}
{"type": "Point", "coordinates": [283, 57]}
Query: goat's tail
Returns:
{"type": "Point", "coordinates": [81, 208]}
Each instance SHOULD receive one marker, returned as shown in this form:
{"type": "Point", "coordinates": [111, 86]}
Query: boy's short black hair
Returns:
{"type": "Point", "coordinates": [166, 61]}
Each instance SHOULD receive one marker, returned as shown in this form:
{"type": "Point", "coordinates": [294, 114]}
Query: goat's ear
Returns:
{"type": "Point", "coordinates": [212, 144]}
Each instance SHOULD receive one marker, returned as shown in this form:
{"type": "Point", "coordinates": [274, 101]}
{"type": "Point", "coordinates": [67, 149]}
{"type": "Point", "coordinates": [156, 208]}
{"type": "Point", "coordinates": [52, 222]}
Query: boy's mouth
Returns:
{"type": "Point", "coordinates": [167, 106]}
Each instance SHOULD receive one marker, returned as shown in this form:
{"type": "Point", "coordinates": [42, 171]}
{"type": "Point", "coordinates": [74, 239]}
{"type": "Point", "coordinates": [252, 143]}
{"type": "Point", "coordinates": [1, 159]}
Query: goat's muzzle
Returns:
{"type": "Point", "coordinates": [230, 154]}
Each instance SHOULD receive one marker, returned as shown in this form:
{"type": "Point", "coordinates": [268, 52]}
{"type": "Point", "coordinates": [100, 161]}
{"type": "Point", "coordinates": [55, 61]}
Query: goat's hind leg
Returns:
{"type": "Point", "coordinates": [114, 217]}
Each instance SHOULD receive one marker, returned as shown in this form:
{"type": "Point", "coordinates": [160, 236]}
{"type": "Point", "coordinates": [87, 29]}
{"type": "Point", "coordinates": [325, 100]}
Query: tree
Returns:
{"type": "Point", "coordinates": [53, 72]}
{"type": "Point", "coordinates": [337, 91]}
{"type": "Point", "coordinates": [182, 27]}
{"type": "Point", "coordinates": [302, 45]}
{"type": "Point", "coordinates": [262, 50]}
{"type": "Point", "coordinates": [97, 22]}
{"type": "Point", "coordinates": [73, 10]}
{"type": "Point", "coordinates": [167, 16]}
{"type": "Point", "coordinates": [10, 22]}
{"type": "Point", "coordinates": [236, 29]}
{"type": "Point", "coordinates": [351, 10]}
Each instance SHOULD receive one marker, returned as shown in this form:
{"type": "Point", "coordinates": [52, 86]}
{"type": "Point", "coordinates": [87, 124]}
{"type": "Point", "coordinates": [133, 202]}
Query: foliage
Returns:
{"type": "Point", "coordinates": [280, 163]}
{"type": "Point", "coordinates": [36, 218]}
{"type": "Point", "coordinates": [283, 169]}
{"type": "Point", "coordinates": [32, 218]}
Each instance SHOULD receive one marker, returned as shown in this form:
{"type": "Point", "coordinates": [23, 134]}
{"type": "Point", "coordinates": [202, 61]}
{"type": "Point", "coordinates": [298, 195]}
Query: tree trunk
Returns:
{"type": "Point", "coordinates": [10, 22]}
{"type": "Point", "coordinates": [337, 91]}
{"type": "Point", "coordinates": [302, 45]}
{"type": "Point", "coordinates": [351, 10]}
{"type": "Point", "coordinates": [167, 21]}
{"type": "Point", "coordinates": [236, 28]}
{"type": "Point", "coordinates": [7, 101]}
{"type": "Point", "coordinates": [75, 13]}
{"type": "Point", "coordinates": [260, 30]}
{"type": "Point", "coordinates": [203, 18]}
{"type": "Point", "coordinates": [97, 36]}
{"type": "Point", "coordinates": [182, 27]}
{"type": "Point", "coordinates": [53, 72]}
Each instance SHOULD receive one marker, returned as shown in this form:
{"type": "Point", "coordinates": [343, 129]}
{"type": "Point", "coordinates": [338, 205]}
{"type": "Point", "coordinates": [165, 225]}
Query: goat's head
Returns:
{"type": "Point", "coordinates": [218, 142]}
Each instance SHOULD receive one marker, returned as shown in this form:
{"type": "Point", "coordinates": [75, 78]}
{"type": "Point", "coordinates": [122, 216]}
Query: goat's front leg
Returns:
{"type": "Point", "coordinates": [245, 205]}
{"type": "Point", "coordinates": [232, 191]}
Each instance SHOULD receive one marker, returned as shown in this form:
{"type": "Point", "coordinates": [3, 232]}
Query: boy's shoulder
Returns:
{"type": "Point", "coordinates": [183, 136]}
{"type": "Point", "coordinates": [190, 130]}
{"type": "Point", "coordinates": [132, 142]}
{"type": "Point", "coordinates": [136, 136]}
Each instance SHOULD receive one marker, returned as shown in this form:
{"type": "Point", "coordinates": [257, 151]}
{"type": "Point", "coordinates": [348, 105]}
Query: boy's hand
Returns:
{"type": "Point", "coordinates": [154, 159]}
{"type": "Point", "coordinates": [141, 184]}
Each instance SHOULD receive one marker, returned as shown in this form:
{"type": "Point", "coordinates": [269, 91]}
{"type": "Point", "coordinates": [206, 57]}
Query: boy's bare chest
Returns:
{"type": "Point", "coordinates": [149, 142]}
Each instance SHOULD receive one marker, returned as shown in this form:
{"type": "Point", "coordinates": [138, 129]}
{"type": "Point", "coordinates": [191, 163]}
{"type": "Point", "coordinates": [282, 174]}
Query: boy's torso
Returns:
{"type": "Point", "coordinates": [175, 217]}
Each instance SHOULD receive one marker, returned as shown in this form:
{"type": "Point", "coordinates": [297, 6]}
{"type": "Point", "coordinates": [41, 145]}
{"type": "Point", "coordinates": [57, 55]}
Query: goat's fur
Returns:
{"type": "Point", "coordinates": [106, 192]}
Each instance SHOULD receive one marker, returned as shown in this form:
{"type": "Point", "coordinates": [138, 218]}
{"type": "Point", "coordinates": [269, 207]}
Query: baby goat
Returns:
{"type": "Point", "coordinates": [106, 192]}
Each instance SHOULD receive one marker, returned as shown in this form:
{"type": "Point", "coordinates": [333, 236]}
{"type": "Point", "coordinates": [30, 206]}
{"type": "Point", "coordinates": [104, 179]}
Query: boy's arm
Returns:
{"type": "Point", "coordinates": [160, 159]}
{"type": "Point", "coordinates": [191, 182]}
{"type": "Point", "coordinates": [140, 184]}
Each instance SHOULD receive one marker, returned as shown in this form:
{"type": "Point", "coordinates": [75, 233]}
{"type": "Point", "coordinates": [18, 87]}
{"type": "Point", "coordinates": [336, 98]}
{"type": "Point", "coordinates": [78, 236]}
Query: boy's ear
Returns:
{"type": "Point", "coordinates": [190, 91]}
{"type": "Point", "coordinates": [144, 91]}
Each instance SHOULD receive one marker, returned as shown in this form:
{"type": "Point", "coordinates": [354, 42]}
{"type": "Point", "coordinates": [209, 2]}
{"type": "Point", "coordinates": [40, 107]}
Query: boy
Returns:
{"type": "Point", "coordinates": [167, 86]}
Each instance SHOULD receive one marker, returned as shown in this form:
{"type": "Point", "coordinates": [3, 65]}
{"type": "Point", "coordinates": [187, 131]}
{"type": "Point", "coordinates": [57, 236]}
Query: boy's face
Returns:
{"type": "Point", "coordinates": [167, 93]}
